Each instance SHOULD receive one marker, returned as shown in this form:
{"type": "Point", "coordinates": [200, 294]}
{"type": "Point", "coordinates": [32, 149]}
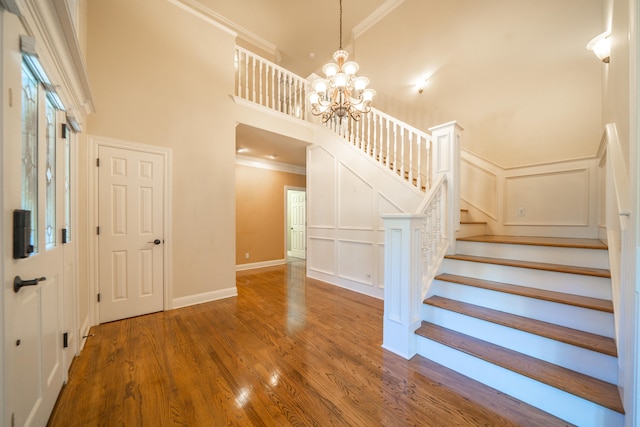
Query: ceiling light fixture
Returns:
{"type": "Point", "coordinates": [601, 46]}
{"type": "Point", "coordinates": [341, 94]}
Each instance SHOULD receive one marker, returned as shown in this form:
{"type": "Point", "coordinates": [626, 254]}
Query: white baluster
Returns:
{"type": "Point", "coordinates": [388, 141]}
{"type": "Point", "coordinates": [411, 158]}
{"type": "Point", "coordinates": [419, 142]}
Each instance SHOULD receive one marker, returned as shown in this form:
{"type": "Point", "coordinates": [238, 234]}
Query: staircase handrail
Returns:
{"type": "Point", "coordinates": [617, 204]}
{"type": "Point", "coordinates": [618, 173]}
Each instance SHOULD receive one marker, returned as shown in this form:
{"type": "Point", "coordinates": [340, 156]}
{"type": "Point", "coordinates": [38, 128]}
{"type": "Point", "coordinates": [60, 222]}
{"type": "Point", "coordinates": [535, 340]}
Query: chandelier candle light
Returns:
{"type": "Point", "coordinates": [341, 94]}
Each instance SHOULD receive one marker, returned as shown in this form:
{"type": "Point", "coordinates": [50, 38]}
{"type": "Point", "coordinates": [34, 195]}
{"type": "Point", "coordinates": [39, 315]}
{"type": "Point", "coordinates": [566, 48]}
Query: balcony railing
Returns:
{"type": "Point", "coordinates": [391, 143]}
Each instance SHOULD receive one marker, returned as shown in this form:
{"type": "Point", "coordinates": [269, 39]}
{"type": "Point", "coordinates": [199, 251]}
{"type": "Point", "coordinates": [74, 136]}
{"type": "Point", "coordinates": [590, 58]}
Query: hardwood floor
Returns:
{"type": "Point", "coordinates": [287, 351]}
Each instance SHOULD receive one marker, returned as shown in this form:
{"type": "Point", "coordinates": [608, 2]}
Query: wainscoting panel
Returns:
{"type": "Point", "coordinates": [560, 198]}
{"type": "Point", "coordinates": [321, 187]}
{"type": "Point", "coordinates": [355, 200]}
{"type": "Point", "coordinates": [356, 261]}
{"type": "Point", "coordinates": [479, 187]}
{"type": "Point", "coordinates": [321, 255]}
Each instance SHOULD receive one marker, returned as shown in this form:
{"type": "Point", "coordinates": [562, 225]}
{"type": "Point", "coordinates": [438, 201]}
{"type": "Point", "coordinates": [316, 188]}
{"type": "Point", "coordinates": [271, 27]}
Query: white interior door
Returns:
{"type": "Point", "coordinates": [32, 164]}
{"type": "Point", "coordinates": [298, 222]}
{"type": "Point", "coordinates": [130, 239]}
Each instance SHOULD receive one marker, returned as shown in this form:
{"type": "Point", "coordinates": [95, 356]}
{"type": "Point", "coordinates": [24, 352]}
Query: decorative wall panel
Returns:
{"type": "Point", "coordinates": [355, 201]}
{"type": "Point", "coordinates": [560, 198]}
{"type": "Point", "coordinates": [356, 261]}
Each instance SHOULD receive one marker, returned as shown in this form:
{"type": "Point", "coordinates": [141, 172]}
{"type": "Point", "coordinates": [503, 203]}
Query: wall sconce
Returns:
{"type": "Point", "coordinates": [601, 46]}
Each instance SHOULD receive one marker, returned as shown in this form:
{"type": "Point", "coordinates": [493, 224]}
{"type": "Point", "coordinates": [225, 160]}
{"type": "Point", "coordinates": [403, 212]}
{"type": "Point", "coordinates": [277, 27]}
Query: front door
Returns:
{"type": "Point", "coordinates": [33, 164]}
{"type": "Point", "coordinates": [130, 239]}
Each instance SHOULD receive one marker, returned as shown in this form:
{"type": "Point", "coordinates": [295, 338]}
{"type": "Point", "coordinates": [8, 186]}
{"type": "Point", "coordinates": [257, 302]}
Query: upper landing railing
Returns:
{"type": "Point", "coordinates": [393, 144]}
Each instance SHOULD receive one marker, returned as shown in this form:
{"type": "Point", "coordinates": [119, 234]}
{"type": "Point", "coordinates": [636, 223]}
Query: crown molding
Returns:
{"type": "Point", "coordinates": [376, 16]}
{"type": "Point", "coordinates": [225, 24]}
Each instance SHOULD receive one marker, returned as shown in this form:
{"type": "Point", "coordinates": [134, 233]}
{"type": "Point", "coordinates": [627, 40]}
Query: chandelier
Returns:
{"type": "Point", "coordinates": [341, 94]}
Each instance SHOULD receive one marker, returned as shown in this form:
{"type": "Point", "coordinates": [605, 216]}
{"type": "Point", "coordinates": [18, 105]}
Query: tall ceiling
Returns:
{"type": "Point", "coordinates": [514, 73]}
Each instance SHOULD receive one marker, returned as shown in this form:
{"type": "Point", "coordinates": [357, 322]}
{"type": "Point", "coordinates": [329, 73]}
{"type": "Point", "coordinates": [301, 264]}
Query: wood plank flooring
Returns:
{"type": "Point", "coordinates": [286, 351]}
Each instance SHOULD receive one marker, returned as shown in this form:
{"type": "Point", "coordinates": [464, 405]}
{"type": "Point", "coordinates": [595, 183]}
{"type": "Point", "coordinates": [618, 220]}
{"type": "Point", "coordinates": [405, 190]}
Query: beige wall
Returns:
{"type": "Point", "coordinates": [163, 77]}
{"type": "Point", "coordinates": [260, 212]}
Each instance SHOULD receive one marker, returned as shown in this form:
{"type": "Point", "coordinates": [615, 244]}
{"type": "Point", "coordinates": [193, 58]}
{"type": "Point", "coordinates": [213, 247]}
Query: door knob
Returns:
{"type": "Point", "coordinates": [19, 283]}
{"type": "Point", "coordinates": [156, 242]}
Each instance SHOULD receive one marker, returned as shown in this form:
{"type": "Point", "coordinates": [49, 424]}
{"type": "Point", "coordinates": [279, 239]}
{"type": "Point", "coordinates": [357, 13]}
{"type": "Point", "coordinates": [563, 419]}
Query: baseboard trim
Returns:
{"type": "Point", "coordinates": [204, 297]}
{"type": "Point", "coordinates": [241, 267]}
{"type": "Point", "coordinates": [84, 332]}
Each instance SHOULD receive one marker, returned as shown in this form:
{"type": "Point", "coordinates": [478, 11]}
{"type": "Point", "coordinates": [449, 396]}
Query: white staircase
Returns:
{"type": "Point", "coordinates": [531, 318]}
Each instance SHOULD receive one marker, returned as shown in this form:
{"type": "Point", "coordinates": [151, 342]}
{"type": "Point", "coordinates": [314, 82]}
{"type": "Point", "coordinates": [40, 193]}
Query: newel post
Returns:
{"type": "Point", "coordinates": [446, 160]}
{"type": "Point", "coordinates": [402, 282]}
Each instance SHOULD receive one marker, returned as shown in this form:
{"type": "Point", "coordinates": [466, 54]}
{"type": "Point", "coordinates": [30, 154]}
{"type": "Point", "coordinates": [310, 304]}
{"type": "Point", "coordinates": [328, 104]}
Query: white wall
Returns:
{"type": "Point", "coordinates": [346, 195]}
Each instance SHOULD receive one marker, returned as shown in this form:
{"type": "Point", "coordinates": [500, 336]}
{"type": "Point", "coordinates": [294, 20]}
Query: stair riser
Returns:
{"type": "Point", "coordinates": [595, 287]}
{"type": "Point", "coordinates": [577, 359]}
{"type": "Point", "coordinates": [561, 404]}
{"type": "Point", "coordinates": [579, 257]}
{"type": "Point", "coordinates": [468, 230]}
{"type": "Point", "coordinates": [596, 322]}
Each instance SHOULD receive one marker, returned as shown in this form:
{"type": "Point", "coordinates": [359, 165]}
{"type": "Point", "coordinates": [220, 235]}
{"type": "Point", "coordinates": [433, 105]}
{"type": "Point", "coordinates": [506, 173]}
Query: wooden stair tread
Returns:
{"type": "Point", "coordinates": [589, 388]}
{"type": "Point", "coordinates": [559, 297]}
{"type": "Point", "coordinates": [473, 222]}
{"type": "Point", "coordinates": [539, 241]}
{"type": "Point", "coordinates": [589, 341]}
{"type": "Point", "coordinates": [587, 271]}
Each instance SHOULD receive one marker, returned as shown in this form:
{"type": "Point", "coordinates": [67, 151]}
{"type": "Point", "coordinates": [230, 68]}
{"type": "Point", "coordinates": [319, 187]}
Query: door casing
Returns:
{"type": "Point", "coordinates": [94, 142]}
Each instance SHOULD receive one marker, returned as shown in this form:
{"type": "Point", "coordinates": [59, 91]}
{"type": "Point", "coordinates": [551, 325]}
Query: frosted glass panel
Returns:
{"type": "Point", "coordinates": [50, 177]}
{"type": "Point", "coordinates": [30, 150]}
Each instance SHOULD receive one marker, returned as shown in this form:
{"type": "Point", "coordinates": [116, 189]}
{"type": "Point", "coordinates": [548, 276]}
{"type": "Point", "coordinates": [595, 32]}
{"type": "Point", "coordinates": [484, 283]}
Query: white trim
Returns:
{"type": "Point", "coordinates": [256, 162]}
{"type": "Point", "coordinates": [376, 16]}
{"type": "Point", "coordinates": [262, 264]}
{"type": "Point", "coordinates": [84, 332]}
{"type": "Point", "coordinates": [181, 302]}
{"type": "Point", "coordinates": [226, 25]}
{"type": "Point", "coordinates": [94, 142]}
{"type": "Point", "coordinates": [3, 219]}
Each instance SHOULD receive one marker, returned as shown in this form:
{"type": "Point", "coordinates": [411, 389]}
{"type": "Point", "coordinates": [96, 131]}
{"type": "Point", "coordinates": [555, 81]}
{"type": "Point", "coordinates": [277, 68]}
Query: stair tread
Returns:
{"type": "Point", "coordinates": [472, 222]}
{"type": "Point", "coordinates": [589, 341]}
{"type": "Point", "coordinates": [587, 271]}
{"type": "Point", "coordinates": [584, 386]}
{"type": "Point", "coordinates": [540, 241]}
{"type": "Point", "coordinates": [542, 294]}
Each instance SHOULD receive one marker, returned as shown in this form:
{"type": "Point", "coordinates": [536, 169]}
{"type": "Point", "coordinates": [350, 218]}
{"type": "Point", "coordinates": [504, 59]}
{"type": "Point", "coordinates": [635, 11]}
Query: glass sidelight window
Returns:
{"type": "Point", "coordinates": [40, 105]}
{"type": "Point", "coordinates": [50, 176]}
{"type": "Point", "coordinates": [30, 89]}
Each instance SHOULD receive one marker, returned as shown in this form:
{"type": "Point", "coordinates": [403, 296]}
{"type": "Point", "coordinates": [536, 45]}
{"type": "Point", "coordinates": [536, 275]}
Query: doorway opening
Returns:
{"type": "Point", "coordinates": [296, 223]}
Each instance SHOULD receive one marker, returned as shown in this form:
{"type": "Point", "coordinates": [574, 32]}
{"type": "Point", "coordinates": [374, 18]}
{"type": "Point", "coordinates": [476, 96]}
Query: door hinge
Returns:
{"type": "Point", "coordinates": [63, 130]}
{"type": "Point", "coordinates": [98, 297]}
{"type": "Point", "coordinates": [98, 230]}
{"type": "Point", "coordinates": [65, 340]}
{"type": "Point", "coordinates": [13, 420]}
{"type": "Point", "coordinates": [98, 162]}
{"type": "Point", "coordinates": [64, 235]}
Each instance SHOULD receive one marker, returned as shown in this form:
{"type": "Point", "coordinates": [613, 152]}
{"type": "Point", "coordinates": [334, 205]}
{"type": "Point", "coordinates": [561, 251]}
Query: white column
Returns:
{"type": "Point", "coordinates": [402, 282]}
{"type": "Point", "coordinates": [446, 159]}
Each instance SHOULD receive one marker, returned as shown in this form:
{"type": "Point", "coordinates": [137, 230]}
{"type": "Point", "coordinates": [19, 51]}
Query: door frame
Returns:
{"type": "Point", "coordinates": [94, 143]}
{"type": "Point", "coordinates": [287, 227]}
